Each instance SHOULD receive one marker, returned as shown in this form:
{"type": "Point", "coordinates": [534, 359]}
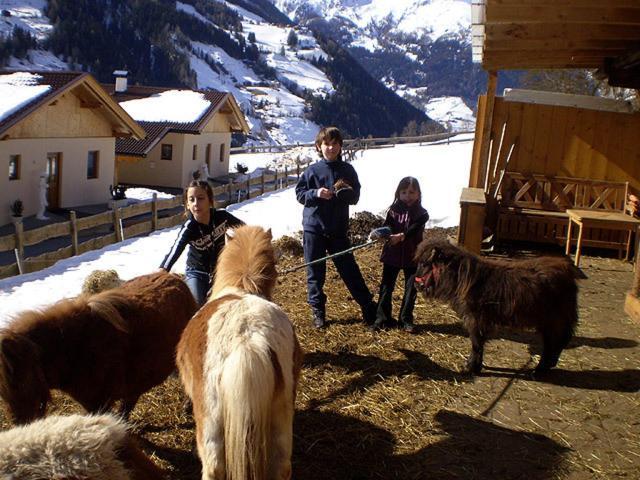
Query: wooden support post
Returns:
{"type": "Point", "coordinates": [230, 191]}
{"type": "Point", "coordinates": [116, 224]}
{"type": "Point", "coordinates": [74, 232]}
{"type": "Point", "coordinates": [286, 176]}
{"type": "Point", "coordinates": [248, 187]}
{"type": "Point", "coordinates": [298, 171]}
{"type": "Point", "coordinates": [472, 216]}
{"type": "Point", "coordinates": [486, 129]}
{"type": "Point", "coordinates": [19, 239]}
{"type": "Point", "coordinates": [275, 181]}
{"type": "Point", "coordinates": [154, 211]}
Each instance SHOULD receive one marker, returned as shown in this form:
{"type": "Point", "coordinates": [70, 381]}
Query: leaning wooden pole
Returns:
{"type": "Point", "coordinates": [492, 85]}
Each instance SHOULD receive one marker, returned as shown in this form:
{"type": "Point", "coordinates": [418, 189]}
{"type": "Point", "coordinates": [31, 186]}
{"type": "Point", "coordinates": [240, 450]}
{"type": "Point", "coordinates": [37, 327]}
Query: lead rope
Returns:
{"type": "Point", "coordinates": [333, 255]}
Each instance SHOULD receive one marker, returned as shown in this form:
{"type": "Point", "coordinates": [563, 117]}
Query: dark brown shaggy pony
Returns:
{"type": "Point", "coordinates": [111, 346]}
{"type": "Point", "coordinates": [540, 293]}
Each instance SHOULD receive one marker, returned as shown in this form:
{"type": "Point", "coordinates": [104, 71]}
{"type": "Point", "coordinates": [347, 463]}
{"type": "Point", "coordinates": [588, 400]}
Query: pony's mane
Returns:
{"type": "Point", "coordinates": [247, 262]}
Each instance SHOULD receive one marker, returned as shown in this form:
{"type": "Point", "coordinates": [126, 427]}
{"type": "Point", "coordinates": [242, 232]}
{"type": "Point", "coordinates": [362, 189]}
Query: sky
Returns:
{"type": "Point", "coordinates": [442, 170]}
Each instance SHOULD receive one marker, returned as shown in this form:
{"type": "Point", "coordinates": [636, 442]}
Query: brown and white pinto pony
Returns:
{"type": "Point", "coordinates": [96, 447]}
{"type": "Point", "coordinates": [239, 361]}
{"type": "Point", "coordinates": [99, 349]}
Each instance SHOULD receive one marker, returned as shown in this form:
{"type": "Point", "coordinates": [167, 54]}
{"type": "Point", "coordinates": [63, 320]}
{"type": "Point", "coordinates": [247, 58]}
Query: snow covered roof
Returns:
{"type": "Point", "coordinates": [162, 110]}
{"type": "Point", "coordinates": [24, 92]}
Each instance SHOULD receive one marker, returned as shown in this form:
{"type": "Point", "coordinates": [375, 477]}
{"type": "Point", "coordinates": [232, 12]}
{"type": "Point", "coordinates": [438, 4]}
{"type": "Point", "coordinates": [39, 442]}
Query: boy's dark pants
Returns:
{"type": "Point", "coordinates": [317, 246]}
{"type": "Point", "coordinates": [388, 283]}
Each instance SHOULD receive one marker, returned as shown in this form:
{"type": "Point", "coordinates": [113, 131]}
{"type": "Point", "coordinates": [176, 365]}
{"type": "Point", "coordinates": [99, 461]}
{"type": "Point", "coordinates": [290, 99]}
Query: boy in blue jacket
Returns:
{"type": "Point", "coordinates": [325, 221]}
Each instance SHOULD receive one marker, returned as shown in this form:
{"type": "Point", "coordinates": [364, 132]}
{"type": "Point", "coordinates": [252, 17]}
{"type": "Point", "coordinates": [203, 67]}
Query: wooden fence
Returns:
{"type": "Point", "coordinates": [112, 222]}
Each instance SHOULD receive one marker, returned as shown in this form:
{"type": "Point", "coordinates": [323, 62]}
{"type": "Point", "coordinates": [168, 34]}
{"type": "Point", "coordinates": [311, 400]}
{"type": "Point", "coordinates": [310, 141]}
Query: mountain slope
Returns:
{"type": "Point", "coordinates": [285, 87]}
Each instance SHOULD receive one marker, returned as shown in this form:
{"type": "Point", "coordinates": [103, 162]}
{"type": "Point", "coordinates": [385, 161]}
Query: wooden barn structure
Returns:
{"type": "Point", "coordinates": [543, 160]}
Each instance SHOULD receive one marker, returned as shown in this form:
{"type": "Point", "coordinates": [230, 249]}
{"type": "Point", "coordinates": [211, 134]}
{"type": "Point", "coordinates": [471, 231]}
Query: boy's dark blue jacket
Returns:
{"type": "Point", "coordinates": [326, 217]}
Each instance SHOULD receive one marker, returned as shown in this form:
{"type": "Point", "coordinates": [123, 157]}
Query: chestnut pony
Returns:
{"type": "Point", "coordinates": [101, 348]}
{"type": "Point", "coordinates": [239, 361]}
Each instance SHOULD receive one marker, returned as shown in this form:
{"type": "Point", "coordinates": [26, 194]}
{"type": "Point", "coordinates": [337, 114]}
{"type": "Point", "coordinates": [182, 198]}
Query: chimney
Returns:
{"type": "Point", "coordinates": [121, 80]}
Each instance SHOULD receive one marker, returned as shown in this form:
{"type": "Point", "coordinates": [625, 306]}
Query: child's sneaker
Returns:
{"type": "Point", "coordinates": [408, 327]}
{"type": "Point", "coordinates": [319, 320]}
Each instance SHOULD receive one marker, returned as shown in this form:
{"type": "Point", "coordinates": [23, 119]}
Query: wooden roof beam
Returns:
{"type": "Point", "coordinates": [613, 45]}
{"type": "Point", "coordinates": [569, 32]}
{"type": "Point", "coordinates": [554, 13]}
{"type": "Point", "coordinates": [561, 3]}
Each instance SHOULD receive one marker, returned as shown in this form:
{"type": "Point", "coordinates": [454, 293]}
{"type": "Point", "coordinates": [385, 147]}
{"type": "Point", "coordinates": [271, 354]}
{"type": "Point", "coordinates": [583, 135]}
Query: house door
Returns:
{"type": "Point", "coordinates": [54, 161]}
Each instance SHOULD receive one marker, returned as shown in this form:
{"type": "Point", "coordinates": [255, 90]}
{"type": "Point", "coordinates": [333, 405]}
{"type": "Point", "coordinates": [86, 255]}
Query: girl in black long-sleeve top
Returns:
{"type": "Point", "coordinates": [407, 219]}
{"type": "Point", "coordinates": [204, 232]}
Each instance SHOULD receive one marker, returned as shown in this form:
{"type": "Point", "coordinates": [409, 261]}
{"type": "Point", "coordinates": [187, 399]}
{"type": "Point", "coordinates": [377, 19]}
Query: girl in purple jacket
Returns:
{"type": "Point", "coordinates": [407, 218]}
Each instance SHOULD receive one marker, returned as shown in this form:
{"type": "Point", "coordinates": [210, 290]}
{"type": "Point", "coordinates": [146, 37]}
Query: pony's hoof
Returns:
{"type": "Point", "coordinates": [472, 368]}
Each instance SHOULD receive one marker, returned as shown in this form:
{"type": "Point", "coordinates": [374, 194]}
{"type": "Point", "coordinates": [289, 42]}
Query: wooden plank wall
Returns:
{"type": "Point", "coordinates": [564, 141]}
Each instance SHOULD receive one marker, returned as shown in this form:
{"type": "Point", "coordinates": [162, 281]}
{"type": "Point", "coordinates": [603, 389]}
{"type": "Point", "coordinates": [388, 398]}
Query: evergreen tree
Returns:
{"type": "Point", "coordinates": [292, 39]}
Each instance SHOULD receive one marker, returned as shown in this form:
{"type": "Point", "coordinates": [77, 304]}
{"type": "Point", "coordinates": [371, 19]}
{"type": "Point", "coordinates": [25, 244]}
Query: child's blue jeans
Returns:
{"type": "Point", "coordinates": [199, 283]}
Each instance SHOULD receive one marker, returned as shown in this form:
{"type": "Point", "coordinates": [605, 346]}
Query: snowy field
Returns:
{"type": "Point", "coordinates": [442, 170]}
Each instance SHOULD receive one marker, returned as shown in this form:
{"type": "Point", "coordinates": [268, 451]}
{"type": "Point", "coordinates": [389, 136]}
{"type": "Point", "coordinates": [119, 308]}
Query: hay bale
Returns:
{"type": "Point", "coordinates": [101, 280]}
{"type": "Point", "coordinates": [288, 246]}
{"type": "Point", "coordinates": [361, 224]}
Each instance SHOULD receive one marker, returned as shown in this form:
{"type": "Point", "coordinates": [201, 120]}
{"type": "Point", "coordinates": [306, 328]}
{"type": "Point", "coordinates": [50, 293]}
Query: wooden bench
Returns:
{"type": "Point", "coordinates": [532, 207]}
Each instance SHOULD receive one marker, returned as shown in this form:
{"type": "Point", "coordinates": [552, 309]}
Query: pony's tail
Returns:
{"type": "Point", "coordinates": [247, 388]}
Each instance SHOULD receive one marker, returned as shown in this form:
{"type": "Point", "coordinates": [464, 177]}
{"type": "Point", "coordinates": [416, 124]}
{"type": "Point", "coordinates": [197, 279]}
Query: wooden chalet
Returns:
{"type": "Point", "coordinates": [541, 158]}
{"type": "Point", "coordinates": [66, 132]}
{"type": "Point", "coordinates": [173, 150]}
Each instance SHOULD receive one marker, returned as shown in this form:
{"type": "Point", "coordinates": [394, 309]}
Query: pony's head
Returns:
{"type": "Point", "coordinates": [23, 386]}
{"type": "Point", "coordinates": [438, 267]}
{"type": "Point", "coordinates": [247, 262]}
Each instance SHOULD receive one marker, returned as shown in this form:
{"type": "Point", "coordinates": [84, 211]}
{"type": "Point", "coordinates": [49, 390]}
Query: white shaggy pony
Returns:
{"type": "Point", "coordinates": [96, 447]}
{"type": "Point", "coordinates": [239, 361]}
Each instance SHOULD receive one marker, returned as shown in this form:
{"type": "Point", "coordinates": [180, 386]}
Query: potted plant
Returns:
{"type": "Point", "coordinates": [17, 207]}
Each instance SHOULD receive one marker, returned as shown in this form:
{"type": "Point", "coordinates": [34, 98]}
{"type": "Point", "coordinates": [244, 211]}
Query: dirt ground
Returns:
{"type": "Point", "coordinates": [393, 405]}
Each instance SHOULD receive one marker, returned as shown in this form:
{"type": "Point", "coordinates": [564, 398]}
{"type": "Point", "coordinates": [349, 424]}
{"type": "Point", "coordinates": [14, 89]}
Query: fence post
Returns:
{"type": "Point", "coordinates": [116, 224]}
{"type": "Point", "coordinates": [154, 212]}
{"type": "Point", "coordinates": [298, 171]}
{"type": "Point", "coordinates": [19, 250]}
{"type": "Point", "coordinates": [275, 181]}
{"type": "Point", "coordinates": [262, 186]}
{"type": "Point", "coordinates": [248, 187]}
{"type": "Point", "coordinates": [74, 232]}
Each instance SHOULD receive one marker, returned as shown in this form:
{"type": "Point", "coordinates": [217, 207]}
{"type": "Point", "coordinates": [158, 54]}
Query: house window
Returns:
{"type": "Point", "coordinates": [166, 151]}
{"type": "Point", "coordinates": [195, 152]}
{"type": "Point", "coordinates": [14, 167]}
{"type": "Point", "coordinates": [92, 164]}
{"type": "Point", "coordinates": [223, 147]}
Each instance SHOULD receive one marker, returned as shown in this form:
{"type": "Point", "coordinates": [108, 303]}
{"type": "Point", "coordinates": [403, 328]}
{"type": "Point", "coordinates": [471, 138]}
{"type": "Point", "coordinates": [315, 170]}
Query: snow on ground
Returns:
{"type": "Point", "coordinates": [27, 15]}
{"type": "Point", "coordinates": [19, 89]}
{"type": "Point", "coordinates": [442, 170]}
{"type": "Point", "coordinates": [452, 112]}
{"type": "Point", "coordinates": [283, 113]}
{"type": "Point", "coordinates": [38, 60]}
{"type": "Point", "coordinates": [145, 194]}
{"type": "Point", "coordinates": [243, 12]}
{"type": "Point", "coordinates": [183, 106]}
{"type": "Point", "coordinates": [191, 10]}
{"type": "Point", "coordinates": [301, 72]}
